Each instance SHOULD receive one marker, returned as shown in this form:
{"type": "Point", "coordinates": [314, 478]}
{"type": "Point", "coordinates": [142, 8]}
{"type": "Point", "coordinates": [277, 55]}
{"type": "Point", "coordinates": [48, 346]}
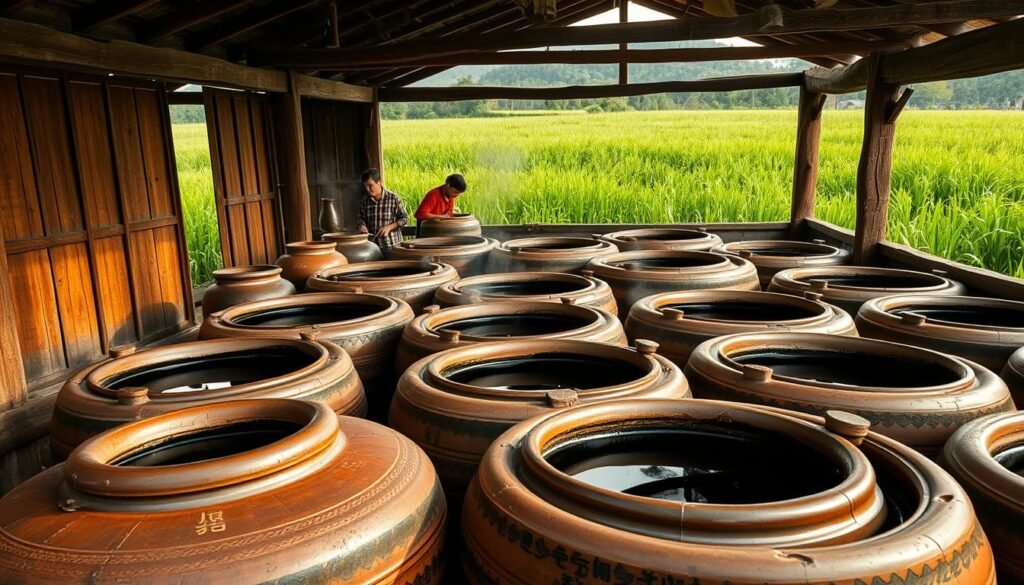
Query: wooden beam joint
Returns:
{"type": "Point", "coordinates": [897, 107]}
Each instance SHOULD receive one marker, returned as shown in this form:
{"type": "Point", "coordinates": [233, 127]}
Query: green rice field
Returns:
{"type": "Point", "coordinates": [958, 177]}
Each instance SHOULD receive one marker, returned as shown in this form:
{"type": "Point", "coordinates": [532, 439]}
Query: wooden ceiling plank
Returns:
{"type": "Point", "coordinates": [101, 13]}
{"type": "Point", "coordinates": [251, 19]}
{"type": "Point", "coordinates": [177, 21]}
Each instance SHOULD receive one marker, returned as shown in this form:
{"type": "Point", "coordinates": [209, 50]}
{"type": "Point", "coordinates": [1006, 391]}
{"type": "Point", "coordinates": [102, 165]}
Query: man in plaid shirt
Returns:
{"type": "Point", "coordinates": [381, 213]}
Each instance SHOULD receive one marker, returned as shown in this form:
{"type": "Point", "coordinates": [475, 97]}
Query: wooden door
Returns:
{"type": "Point", "coordinates": [91, 218]}
{"type": "Point", "coordinates": [244, 180]}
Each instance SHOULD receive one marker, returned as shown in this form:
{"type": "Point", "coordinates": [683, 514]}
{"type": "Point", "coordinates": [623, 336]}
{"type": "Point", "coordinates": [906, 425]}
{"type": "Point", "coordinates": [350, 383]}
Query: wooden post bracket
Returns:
{"type": "Point", "coordinates": [897, 107]}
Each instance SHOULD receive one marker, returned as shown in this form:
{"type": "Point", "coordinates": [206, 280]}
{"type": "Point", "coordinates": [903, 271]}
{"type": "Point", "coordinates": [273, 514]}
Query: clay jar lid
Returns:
{"type": "Point", "coordinates": [257, 273]}
{"type": "Point", "coordinates": [346, 237]}
{"type": "Point", "coordinates": [588, 461]}
{"type": "Point", "coordinates": [663, 238]}
{"type": "Point", "coordinates": [150, 465]}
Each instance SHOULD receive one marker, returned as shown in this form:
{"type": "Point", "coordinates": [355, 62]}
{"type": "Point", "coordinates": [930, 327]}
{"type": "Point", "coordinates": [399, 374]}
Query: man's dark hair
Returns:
{"type": "Point", "coordinates": [372, 174]}
{"type": "Point", "coordinates": [457, 182]}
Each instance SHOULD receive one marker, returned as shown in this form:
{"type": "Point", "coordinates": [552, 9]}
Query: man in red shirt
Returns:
{"type": "Point", "coordinates": [440, 201]}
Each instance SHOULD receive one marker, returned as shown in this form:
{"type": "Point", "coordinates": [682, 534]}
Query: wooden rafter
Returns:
{"type": "Point", "coordinates": [180, 20]}
{"type": "Point", "coordinates": [103, 13]}
{"type": "Point", "coordinates": [252, 19]}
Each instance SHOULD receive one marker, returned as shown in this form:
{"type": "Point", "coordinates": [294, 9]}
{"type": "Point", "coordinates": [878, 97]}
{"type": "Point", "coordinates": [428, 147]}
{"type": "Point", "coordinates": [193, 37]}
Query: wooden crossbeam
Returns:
{"type": "Point", "coordinates": [688, 55]}
{"type": "Point", "coordinates": [992, 49]}
{"type": "Point", "coordinates": [770, 20]}
{"type": "Point", "coordinates": [472, 92]}
{"type": "Point", "coordinates": [103, 13]}
{"type": "Point", "coordinates": [248, 21]}
{"type": "Point", "coordinates": [179, 20]}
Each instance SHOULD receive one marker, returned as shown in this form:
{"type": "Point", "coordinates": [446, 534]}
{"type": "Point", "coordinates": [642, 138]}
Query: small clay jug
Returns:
{"type": "Point", "coordinates": [329, 219]}
{"type": "Point", "coordinates": [242, 284]}
{"type": "Point", "coordinates": [304, 259]}
{"type": "Point", "coordinates": [355, 246]}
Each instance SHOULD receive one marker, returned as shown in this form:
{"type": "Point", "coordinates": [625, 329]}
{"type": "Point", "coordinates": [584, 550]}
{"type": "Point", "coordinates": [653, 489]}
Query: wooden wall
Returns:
{"type": "Point", "coordinates": [338, 140]}
{"type": "Point", "coordinates": [91, 222]}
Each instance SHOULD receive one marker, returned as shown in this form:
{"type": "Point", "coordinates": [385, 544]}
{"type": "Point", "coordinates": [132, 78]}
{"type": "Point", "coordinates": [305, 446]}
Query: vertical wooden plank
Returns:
{"type": "Point", "coordinates": [72, 279]}
{"type": "Point", "coordinates": [165, 241]}
{"type": "Point", "coordinates": [131, 168]}
{"type": "Point", "coordinates": [151, 135]}
{"type": "Point", "coordinates": [250, 181]}
{"type": "Point", "coordinates": [13, 388]}
{"type": "Point", "coordinates": [21, 217]}
{"type": "Point", "coordinates": [213, 137]}
{"type": "Point", "coordinates": [874, 171]}
{"type": "Point", "coordinates": [184, 273]}
{"type": "Point", "coordinates": [35, 313]}
{"type": "Point", "coordinates": [294, 185]}
{"type": "Point", "coordinates": [51, 149]}
{"type": "Point", "coordinates": [805, 164]}
{"type": "Point", "coordinates": [147, 282]}
{"type": "Point", "coordinates": [115, 291]}
{"type": "Point", "coordinates": [93, 154]}
{"type": "Point", "coordinates": [623, 47]}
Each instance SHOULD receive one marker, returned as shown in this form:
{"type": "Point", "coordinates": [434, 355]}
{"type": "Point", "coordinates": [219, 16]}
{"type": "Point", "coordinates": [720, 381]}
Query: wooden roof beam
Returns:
{"type": "Point", "coordinates": [470, 92]}
{"type": "Point", "coordinates": [251, 19]}
{"type": "Point", "coordinates": [993, 49]}
{"type": "Point", "coordinates": [101, 13]}
{"type": "Point", "coordinates": [770, 20]}
{"type": "Point", "coordinates": [179, 20]}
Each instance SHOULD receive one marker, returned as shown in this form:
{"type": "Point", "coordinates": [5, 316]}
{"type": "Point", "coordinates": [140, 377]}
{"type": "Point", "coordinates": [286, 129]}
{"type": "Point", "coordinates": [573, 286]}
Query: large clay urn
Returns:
{"type": "Point", "coordinates": [355, 246]}
{"type": "Point", "coordinates": [133, 386]}
{"type": "Point", "coordinates": [635, 275]}
{"type": "Point", "coordinates": [716, 493]}
{"type": "Point", "coordinates": [459, 224]}
{"type": "Point", "coordinates": [467, 254]}
{"type": "Point", "coordinates": [550, 287]}
{"type": "Point", "coordinates": [242, 284]}
{"type": "Point", "coordinates": [982, 330]}
{"type": "Point", "coordinates": [440, 329]}
{"type": "Point", "coordinates": [987, 457]}
{"type": "Point", "coordinates": [454, 403]}
{"type": "Point", "coordinates": [250, 491]}
{"type": "Point", "coordinates": [548, 254]}
{"type": "Point", "coordinates": [368, 327]}
{"type": "Point", "coordinates": [1013, 374]}
{"type": "Point", "coordinates": [849, 287]}
{"type": "Point", "coordinates": [696, 240]}
{"type": "Point", "coordinates": [413, 281]}
{"type": "Point", "coordinates": [304, 259]}
{"type": "Point", "coordinates": [916, 396]}
{"type": "Point", "coordinates": [680, 321]}
{"type": "Point", "coordinates": [771, 256]}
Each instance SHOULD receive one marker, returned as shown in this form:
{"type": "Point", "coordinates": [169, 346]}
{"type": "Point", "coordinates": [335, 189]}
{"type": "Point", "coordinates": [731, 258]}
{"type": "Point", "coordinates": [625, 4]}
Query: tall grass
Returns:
{"type": "Point", "coordinates": [195, 179]}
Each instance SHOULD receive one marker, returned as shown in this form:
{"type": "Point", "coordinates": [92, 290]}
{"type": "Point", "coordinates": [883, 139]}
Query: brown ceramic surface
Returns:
{"type": "Point", "coordinates": [660, 491]}
{"type": "Point", "coordinates": [366, 326]}
{"type": "Point", "coordinates": [412, 281]}
{"type": "Point", "coordinates": [164, 379]}
{"type": "Point", "coordinates": [304, 259]}
{"type": "Point", "coordinates": [771, 256]}
{"type": "Point", "coordinates": [983, 330]}
{"type": "Point", "coordinates": [680, 321]}
{"type": "Point", "coordinates": [454, 403]}
{"type": "Point", "coordinates": [987, 457]}
{"type": "Point", "coordinates": [253, 491]}
{"type": "Point", "coordinates": [548, 254]}
{"type": "Point", "coordinates": [243, 284]}
{"type": "Point", "coordinates": [635, 275]}
{"type": "Point", "coordinates": [916, 396]}
{"type": "Point", "coordinates": [440, 329]}
{"type": "Point", "coordinates": [467, 254]}
{"type": "Point", "coordinates": [696, 240]}
{"type": "Point", "coordinates": [848, 287]}
{"type": "Point", "coordinates": [462, 224]}
{"type": "Point", "coordinates": [354, 246]}
{"type": "Point", "coordinates": [1013, 375]}
{"type": "Point", "coordinates": [551, 287]}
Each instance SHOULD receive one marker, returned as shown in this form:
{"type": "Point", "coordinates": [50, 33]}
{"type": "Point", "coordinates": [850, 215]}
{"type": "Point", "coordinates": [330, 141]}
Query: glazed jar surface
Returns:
{"type": "Point", "coordinates": [552, 287]}
{"type": "Point", "coordinates": [697, 240]}
{"type": "Point", "coordinates": [849, 287]}
{"type": "Point", "coordinates": [354, 246]}
{"type": "Point", "coordinates": [412, 281]}
{"type": "Point", "coordinates": [155, 381]}
{"type": "Point", "coordinates": [440, 329]}
{"type": "Point", "coordinates": [662, 491]}
{"type": "Point", "coordinates": [771, 256]}
{"type": "Point", "coordinates": [680, 321]}
{"type": "Point", "coordinates": [913, 395]}
{"type": "Point", "coordinates": [982, 330]}
{"type": "Point", "coordinates": [250, 491]}
{"type": "Point", "coordinates": [459, 224]}
{"type": "Point", "coordinates": [454, 403]}
{"type": "Point", "coordinates": [243, 284]}
{"type": "Point", "coordinates": [304, 259]}
{"type": "Point", "coordinates": [467, 254]}
{"type": "Point", "coordinates": [986, 456]}
{"type": "Point", "coordinates": [548, 254]}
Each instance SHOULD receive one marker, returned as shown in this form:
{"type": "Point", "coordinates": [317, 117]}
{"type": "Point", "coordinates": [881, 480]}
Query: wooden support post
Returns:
{"type": "Point", "coordinates": [373, 144]}
{"type": "Point", "coordinates": [805, 165]}
{"type": "Point", "coordinates": [298, 222]}
{"type": "Point", "coordinates": [332, 21]}
{"type": "Point", "coordinates": [623, 47]}
{"type": "Point", "coordinates": [13, 388]}
{"type": "Point", "coordinates": [874, 172]}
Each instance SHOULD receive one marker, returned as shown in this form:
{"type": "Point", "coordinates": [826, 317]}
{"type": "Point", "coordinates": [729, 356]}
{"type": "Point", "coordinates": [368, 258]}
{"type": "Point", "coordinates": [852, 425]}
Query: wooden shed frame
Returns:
{"type": "Point", "coordinates": [287, 53]}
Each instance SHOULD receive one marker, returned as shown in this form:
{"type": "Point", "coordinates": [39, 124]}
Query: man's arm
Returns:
{"type": "Point", "coordinates": [401, 217]}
